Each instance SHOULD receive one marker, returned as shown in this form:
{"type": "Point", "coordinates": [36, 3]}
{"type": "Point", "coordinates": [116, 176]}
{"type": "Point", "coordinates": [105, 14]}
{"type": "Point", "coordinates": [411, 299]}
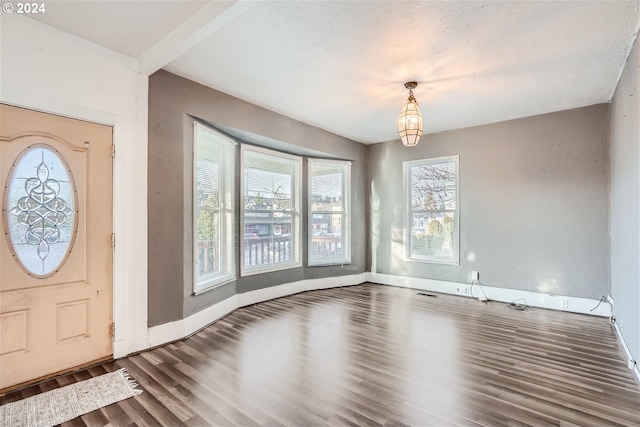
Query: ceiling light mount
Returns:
{"type": "Point", "coordinates": [410, 119]}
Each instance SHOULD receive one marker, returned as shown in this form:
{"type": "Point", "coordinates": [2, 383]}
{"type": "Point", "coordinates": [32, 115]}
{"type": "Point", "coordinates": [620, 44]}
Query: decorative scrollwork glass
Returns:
{"type": "Point", "coordinates": [40, 210]}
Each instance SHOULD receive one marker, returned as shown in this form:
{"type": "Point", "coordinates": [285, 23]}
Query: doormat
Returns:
{"type": "Point", "coordinates": [66, 403]}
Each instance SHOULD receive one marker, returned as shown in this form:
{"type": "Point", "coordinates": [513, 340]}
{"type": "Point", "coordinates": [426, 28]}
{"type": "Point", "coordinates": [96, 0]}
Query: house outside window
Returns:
{"type": "Point", "coordinates": [432, 210]}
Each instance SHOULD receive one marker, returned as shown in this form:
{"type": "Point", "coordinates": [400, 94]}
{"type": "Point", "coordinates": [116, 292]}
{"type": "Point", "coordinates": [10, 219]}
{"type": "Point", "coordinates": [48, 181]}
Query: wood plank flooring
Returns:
{"type": "Point", "coordinates": [373, 355]}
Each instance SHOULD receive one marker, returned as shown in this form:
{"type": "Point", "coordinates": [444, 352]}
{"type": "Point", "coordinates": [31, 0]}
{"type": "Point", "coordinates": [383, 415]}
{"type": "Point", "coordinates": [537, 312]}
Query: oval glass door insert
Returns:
{"type": "Point", "coordinates": [40, 216]}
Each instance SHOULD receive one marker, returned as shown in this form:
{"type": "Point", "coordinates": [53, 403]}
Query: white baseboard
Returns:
{"type": "Point", "coordinates": [274, 292]}
{"type": "Point", "coordinates": [172, 331]}
{"type": "Point", "coordinates": [269, 293]}
{"type": "Point", "coordinates": [627, 352]}
{"type": "Point", "coordinates": [534, 299]}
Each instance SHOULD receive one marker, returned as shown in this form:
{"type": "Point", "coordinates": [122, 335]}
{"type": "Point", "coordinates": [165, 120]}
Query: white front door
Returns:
{"type": "Point", "coordinates": [56, 254]}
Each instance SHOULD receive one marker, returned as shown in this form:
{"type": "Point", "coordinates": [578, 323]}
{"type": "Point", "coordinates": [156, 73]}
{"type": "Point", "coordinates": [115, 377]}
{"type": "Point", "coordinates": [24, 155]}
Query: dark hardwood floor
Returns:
{"type": "Point", "coordinates": [372, 355]}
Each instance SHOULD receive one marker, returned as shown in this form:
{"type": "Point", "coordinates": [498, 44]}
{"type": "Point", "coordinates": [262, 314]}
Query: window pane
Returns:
{"type": "Point", "coordinates": [432, 234]}
{"type": "Point", "coordinates": [433, 186]}
{"type": "Point", "coordinates": [207, 177]}
{"type": "Point", "coordinates": [268, 240]}
{"type": "Point", "coordinates": [326, 189]}
{"type": "Point", "coordinates": [208, 243]}
{"type": "Point", "coordinates": [41, 210]}
{"type": "Point", "coordinates": [326, 237]}
{"type": "Point", "coordinates": [268, 181]}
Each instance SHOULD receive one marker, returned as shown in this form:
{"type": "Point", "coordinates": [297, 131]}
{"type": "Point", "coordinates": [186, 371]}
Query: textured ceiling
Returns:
{"type": "Point", "coordinates": [341, 65]}
{"type": "Point", "coordinates": [128, 27]}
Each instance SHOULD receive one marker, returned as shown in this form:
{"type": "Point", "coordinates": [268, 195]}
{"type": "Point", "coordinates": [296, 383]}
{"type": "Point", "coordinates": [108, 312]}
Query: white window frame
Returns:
{"type": "Point", "coordinates": [226, 180]}
{"type": "Point", "coordinates": [296, 196]}
{"type": "Point", "coordinates": [345, 226]}
{"type": "Point", "coordinates": [408, 216]}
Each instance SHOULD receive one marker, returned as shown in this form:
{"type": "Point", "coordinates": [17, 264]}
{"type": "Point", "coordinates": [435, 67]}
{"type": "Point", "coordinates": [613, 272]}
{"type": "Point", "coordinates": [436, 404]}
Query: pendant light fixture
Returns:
{"type": "Point", "coordinates": [410, 119]}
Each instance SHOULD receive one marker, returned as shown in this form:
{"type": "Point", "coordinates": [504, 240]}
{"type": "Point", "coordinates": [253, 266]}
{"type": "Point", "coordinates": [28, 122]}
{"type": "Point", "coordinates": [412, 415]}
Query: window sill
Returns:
{"type": "Point", "coordinates": [280, 267]}
{"type": "Point", "coordinates": [433, 261]}
{"type": "Point", "coordinates": [215, 285]}
{"type": "Point", "coordinates": [329, 263]}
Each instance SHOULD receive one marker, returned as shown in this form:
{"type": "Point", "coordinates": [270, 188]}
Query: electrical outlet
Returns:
{"type": "Point", "coordinates": [475, 275]}
{"type": "Point", "coordinates": [466, 291]}
{"type": "Point", "coordinates": [621, 325]}
{"type": "Point", "coordinates": [565, 304]}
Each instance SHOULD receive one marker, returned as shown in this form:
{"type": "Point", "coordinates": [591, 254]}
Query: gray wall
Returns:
{"type": "Point", "coordinates": [533, 197]}
{"type": "Point", "coordinates": [173, 102]}
{"type": "Point", "coordinates": [533, 203]}
{"type": "Point", "coordinates": [625, 203]}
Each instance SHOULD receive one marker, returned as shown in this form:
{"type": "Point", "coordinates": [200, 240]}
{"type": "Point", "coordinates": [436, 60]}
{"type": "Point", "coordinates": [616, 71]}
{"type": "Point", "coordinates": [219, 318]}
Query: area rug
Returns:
{"type": "Point", "coordinates": [66, 403]}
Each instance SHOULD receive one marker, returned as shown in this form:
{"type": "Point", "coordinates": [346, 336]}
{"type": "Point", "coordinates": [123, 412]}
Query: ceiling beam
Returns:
{"type": "Point", "coordinates": [191, 32]}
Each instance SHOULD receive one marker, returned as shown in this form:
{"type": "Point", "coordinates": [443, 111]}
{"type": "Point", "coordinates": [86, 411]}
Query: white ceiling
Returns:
{"type": "Point", "coordinates": [341, 65]}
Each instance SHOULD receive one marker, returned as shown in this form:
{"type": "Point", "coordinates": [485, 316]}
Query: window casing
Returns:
{"type": "Point", "coordinates": [270, 211]}
{"type": "Point", "coordinates": [213, 209]}
{"type": "Point", "coordinates": [329, 212]}
{"type": "Point", "coordinates": [432, 210]}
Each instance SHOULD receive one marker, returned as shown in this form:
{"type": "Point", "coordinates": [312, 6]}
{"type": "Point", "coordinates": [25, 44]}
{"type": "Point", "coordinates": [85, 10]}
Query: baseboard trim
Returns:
{"type": "Point", "coordinates": [179, 329]}
{"type": "Point", "coordinates": [173, 331]}
{"type": "Point", "coordinates": [534, 299]}
{"type": "Point", "coordinates": [627, 352]}
{"type": "Point", "coordinates": [286, 289]}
